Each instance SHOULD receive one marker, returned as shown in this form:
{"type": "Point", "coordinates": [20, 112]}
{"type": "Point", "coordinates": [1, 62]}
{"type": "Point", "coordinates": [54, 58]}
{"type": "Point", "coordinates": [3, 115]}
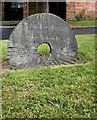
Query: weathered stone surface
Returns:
{"type": "Point", "coordinates": [37, 29]}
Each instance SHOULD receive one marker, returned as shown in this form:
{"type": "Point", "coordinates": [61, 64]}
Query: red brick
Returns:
{"type": "Point", "coordinates": [90, 4]}
{"type": "Point", "coordinates": [82, 4]}
{"type": "Point", "coordinates": [76, 4]}
{"type": "Point", "coordinates": [79, 8]}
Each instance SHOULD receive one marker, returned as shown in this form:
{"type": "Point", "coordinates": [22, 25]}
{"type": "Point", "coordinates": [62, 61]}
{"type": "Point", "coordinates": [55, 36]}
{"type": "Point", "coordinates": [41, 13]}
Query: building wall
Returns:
{"type": "Point", "coordinates": [25, 9]}
{"type": "Point", "coordinates": [86, 9]}
{"type": "Point", "coordinates": [70, 11]}
{"type": "Point", "coordinates": [32, 8]}
{"type": "Point", "coordinates": [1, 11]}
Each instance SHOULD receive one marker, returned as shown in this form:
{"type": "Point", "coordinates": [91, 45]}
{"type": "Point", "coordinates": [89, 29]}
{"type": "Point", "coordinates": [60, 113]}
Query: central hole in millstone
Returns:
{"type": "Point", "coordinates": [44, 49]}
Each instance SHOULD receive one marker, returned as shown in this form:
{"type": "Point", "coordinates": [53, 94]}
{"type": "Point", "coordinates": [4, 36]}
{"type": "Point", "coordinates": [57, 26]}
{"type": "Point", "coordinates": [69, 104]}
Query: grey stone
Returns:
{"type": "Point", "coordinates": [37, 29]}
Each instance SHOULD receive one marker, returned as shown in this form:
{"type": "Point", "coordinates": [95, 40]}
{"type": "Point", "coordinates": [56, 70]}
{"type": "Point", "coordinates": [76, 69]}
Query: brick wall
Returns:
{"type": "Point", "coordinates": [87, 9]}
{"type": "Point", "coordinates": [70, 9]}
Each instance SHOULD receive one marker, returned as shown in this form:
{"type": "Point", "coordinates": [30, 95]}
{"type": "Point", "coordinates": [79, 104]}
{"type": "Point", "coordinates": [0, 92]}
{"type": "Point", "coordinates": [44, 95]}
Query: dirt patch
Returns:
{"type": "Point", "coordinates": [3, 65]}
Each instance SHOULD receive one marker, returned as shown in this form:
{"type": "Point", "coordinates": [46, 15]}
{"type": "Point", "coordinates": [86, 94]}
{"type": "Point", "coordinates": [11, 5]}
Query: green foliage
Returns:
{"type": "Point", "coordinates": [53, 92]}
{"type": "Point", "coordinates": [43, 49]}
{"type": "Point", "coordinates": [80, 16]}
{"type": "Point", "coordinates": [83, 23]}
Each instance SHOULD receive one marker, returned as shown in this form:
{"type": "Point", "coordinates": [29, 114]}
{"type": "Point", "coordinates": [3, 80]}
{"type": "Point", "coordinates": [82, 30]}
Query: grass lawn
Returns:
{"type": "Point", "coordinates": [63, 91]}
{"type": "Point", "coordinates": [82, 23]}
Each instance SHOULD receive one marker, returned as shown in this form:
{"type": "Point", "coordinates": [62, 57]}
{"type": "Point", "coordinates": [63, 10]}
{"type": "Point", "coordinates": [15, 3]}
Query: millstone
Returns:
{"type": "Point", "coordinates": [43, 28]}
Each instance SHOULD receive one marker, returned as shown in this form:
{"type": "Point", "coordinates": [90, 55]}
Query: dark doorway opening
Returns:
{"type": "Point", "coordinates": [13, 11]}
{"type": "Point", "coordinates": [58, 8]}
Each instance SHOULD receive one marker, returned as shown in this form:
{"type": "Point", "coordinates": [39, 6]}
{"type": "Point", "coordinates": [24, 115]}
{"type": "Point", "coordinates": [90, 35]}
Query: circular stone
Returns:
{"type": "Point", "coordinates": [35, 30]}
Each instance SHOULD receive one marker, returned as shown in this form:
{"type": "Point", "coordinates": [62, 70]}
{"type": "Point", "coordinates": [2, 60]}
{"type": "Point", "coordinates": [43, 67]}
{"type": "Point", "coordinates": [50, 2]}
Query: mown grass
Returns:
{"type": "Point", "coordinates": [59, 92]}
{"type": "Point", "coordinates": [83, 23]}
